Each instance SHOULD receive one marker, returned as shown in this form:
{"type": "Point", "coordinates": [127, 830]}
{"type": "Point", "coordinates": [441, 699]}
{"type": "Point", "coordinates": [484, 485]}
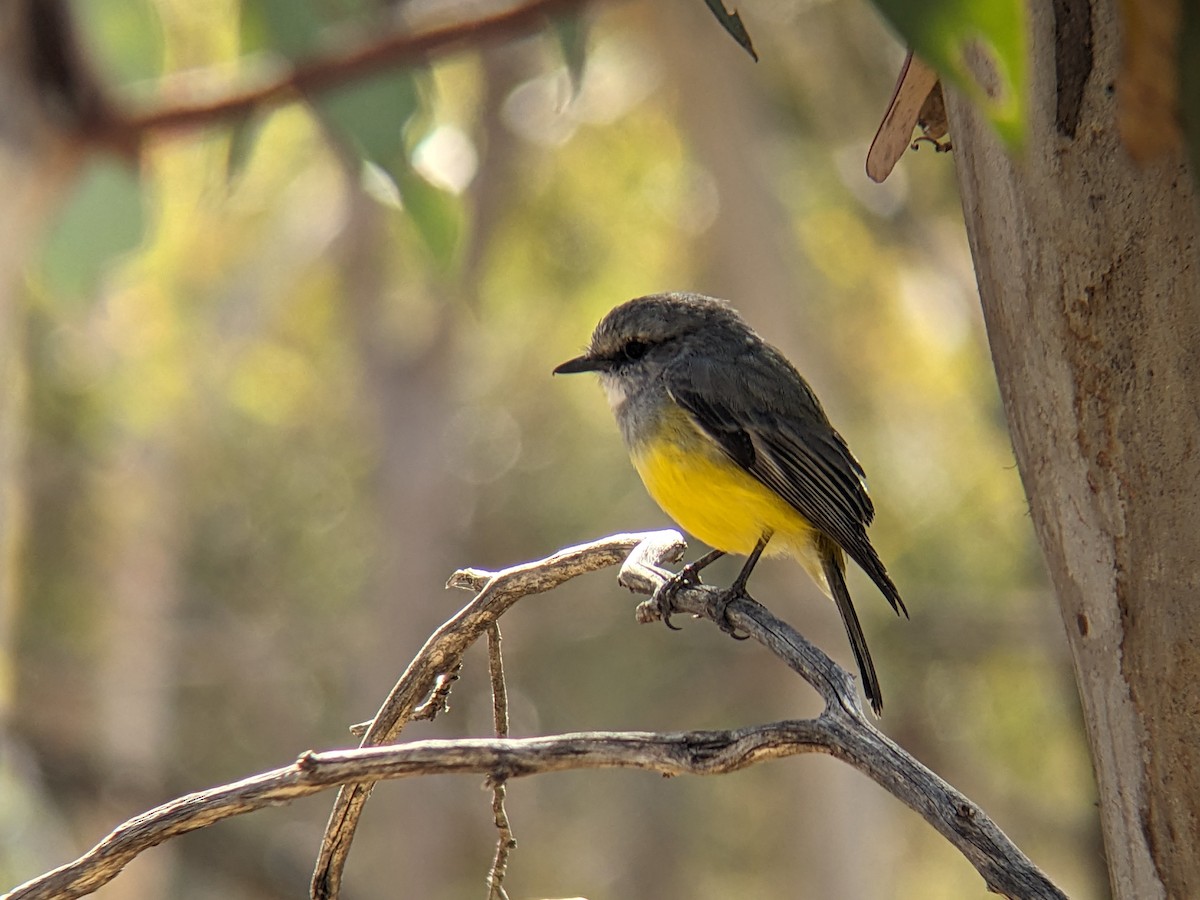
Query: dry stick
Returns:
{"type": "Point", "coordinates": [679, 753]}
{"type": "Point", "coordinates": [504, 841]}
{"type": "Point", "coordinates": [845, 733]}
{"type": "Point", "coordinates": [429, 675]}
{"type": "Point", "coordinates": [841, 731]}
{"type": "Point", "coordinates": [443, 652]}
{"type": "Point", "coordinates": [848, 735]}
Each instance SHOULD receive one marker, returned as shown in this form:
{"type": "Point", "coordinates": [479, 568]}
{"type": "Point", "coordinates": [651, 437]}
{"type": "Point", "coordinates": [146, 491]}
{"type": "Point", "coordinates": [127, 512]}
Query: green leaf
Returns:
{"type": "Point", "coordinates": [571, 32]}
{"type": "Point", "coordinates": [979, 45]}
{"type": "Point", "coordinates": [297, 28]}
{"type": "Point", "coordinates": [126, 36]}
{"type": "Point", "coordinates": [102, 220]}
{"type": "Point", "coordinates": [243, 135]}
{"type": "Point", "coordinates": [371, 114]}
{"type": "Point", "coordinates": [732, 23]}
{"type": "Point", "coordinates": [436, 214]}
{"type": "Point", "coordinates": [288, 27]}
{"type": "Point", "coordinates": [373, 117]}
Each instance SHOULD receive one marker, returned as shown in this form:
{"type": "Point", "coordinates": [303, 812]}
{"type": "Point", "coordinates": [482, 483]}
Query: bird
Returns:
{"type": "Point", "coordinates": [732, 443]}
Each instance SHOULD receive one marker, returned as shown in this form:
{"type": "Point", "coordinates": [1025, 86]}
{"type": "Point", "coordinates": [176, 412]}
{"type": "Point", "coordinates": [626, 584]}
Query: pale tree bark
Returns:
{"type": "Point", "coordinates": [1087, 269]}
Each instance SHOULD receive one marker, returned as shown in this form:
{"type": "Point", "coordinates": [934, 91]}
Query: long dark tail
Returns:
{"type": "Point", "coordinates": [864, 554]}
{"type": "Point", "coordinates": [834, 565]}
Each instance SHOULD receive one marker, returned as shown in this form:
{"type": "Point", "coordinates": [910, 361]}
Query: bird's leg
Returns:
{"type": "Point", "coordinates": [688, 576]}
{"type": "Point", "coordinates": [737, 590]}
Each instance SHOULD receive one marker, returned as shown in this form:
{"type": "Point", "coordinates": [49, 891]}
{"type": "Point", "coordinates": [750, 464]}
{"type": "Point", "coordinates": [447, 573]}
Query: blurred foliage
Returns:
{"type": "Point", "coordinates": [313, 378]}
{"type": "Point", "coordinates": [102, 219]}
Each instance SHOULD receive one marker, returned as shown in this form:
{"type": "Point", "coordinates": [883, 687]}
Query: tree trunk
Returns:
{"type": "Point", "coordinates": [1087, 270]}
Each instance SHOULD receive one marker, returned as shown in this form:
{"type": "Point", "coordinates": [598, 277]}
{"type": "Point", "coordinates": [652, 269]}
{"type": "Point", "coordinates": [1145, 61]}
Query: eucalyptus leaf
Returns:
{"type": "Point", "coordinates": [372, 114]}
{"type": "Point", "coordinates": [732, 22]}
{"type": "Point", "coordinates": [981, 46]}
{"type": "Point", "coordinates": [243, 135]}
{"type": "Point", "coordinates": [571, 33]}
{"type": "Point", "coordinates": [291, 28]}
{"type": "Point", "coordinates": [436, 214]}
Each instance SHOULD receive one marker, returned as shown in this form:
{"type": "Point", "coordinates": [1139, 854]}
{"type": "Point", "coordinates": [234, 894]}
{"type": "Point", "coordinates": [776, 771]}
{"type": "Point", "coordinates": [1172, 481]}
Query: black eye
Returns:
{"type": "Point", "coordinates": [634, 350]}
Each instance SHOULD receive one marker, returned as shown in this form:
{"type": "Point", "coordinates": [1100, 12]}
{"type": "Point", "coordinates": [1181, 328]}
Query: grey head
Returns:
{"type": "Point", "coordinates": [639, 338]}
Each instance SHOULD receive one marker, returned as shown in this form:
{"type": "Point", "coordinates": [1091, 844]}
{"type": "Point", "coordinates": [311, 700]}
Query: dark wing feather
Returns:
{"type": "Point", "coordinates": [766, 418]}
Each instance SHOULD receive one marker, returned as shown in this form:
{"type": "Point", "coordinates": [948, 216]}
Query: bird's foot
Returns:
{"type": "Point", "coordinates": [718, 610]}
{"type": "Point", "coordinates": [664, 597]}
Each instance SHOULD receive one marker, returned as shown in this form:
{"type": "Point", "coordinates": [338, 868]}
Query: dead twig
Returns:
{"type": "Point", "coordinates": [505, 843]}
{"type": "Point", "coordinates": [842, 730]}
{"type": "Point", "coordinates": [700, 753]}
{"type": "Point", "coordinates": [443, 652]}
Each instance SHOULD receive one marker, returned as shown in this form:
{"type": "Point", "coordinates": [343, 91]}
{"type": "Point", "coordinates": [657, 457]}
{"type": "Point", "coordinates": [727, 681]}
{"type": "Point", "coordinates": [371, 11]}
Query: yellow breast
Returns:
{"type": "Point", "coordinates": [714, 499]}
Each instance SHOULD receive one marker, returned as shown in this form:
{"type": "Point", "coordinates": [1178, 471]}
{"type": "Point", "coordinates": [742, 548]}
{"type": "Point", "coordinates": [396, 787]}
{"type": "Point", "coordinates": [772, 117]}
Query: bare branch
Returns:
{"type": "Point", "coordinates": [680, 753]}
{"type": "Point", "coordinates": [443, 652]}
{"type": "Point", "coordinates": [505, 841]}
{"type": "Point", "coordinates": [670, 754]}
{"type": "Point", "coordinates": [700, 752]}
{"type": "Point", "coordinates": [842, 730]}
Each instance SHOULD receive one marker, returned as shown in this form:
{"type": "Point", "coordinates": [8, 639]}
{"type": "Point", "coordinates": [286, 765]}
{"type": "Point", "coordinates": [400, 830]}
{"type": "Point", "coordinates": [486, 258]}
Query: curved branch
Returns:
{"type": "Point", "coordinates": [337, 68]}
{"type": "Point", "coordinates": [680, 753]}
{"type": "Point", "coordinates": [698, 752]}
{"type": "Point", "coordinates": [443, 652]}
{"type": "Point", "coordinates": [842, 730]}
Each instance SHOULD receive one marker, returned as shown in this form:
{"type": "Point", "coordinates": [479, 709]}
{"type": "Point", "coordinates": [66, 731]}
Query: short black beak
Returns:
{"type": "Point", "coordinates": [583, 363]}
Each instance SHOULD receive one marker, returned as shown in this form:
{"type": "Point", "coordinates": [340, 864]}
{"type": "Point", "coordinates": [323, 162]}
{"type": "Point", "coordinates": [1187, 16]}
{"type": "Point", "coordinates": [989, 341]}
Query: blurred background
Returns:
{"type": "Point", "coordinates": [273, 397]}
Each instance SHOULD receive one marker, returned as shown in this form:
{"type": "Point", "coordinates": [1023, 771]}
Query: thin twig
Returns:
{"type": "Point", "coordinates": [505, 842]}
{"type": "Point", "coordinates": [499, 689]}
{"type": "Point", "coordinates": [439, 698]}
{"type": "Point", "coordinates": [497, 592]}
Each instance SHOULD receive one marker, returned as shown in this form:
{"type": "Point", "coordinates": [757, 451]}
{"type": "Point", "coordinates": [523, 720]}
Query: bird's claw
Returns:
{"type": "Point", "coordinates": [718, 606]}
{"type": "Point", "coordinates": [664, 597]}
{"type": "Point", "coordinates": [718, 610]}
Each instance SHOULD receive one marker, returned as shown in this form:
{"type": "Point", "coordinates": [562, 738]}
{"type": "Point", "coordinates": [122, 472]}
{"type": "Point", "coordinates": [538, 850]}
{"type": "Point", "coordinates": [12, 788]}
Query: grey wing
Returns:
{"type": "Point", "coordinates": [767, 419]}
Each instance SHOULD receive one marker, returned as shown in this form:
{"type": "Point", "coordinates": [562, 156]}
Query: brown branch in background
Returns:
{"type": "Point", "coordinates": [505, 843]}
{"type": "Point", "coordinates": [338, 68]}
{"type": "Point", "coordinates": [842, 730]}
{"type": "Point", "coordinates": [54, 99]}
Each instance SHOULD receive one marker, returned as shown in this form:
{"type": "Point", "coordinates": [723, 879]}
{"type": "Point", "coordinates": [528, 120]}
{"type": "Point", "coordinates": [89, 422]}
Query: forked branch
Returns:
{"type": "Point", "coordinates": [842, 730]}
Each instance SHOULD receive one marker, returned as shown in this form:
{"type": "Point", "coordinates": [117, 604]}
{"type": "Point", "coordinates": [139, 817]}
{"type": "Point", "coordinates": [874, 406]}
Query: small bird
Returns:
{"type": "Point", "coordinates": [733, 444]}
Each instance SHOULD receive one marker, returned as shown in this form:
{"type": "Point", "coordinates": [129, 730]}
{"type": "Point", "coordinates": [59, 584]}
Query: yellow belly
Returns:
{"type": "Point", "coordinates": [715, 500]}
